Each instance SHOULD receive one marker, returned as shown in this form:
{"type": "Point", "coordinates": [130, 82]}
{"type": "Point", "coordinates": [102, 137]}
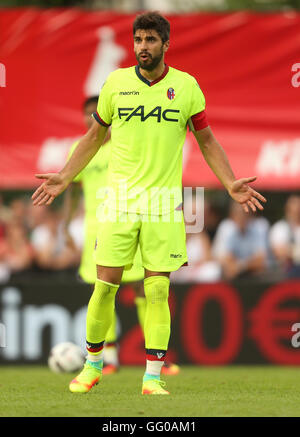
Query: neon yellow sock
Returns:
{"type": "Point", "coordinates": [100, 313]}
{"type": "Point", "coordinates": [141, 305]}
{"type": "Point", "coordinates": [111, 335]}
{"type": "Point", "coordinates": [157, 319]}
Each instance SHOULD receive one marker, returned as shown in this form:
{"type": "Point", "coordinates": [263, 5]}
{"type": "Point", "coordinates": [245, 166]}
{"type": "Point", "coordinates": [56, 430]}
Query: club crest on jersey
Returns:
{"type": "Point", "coordinates": [171, 93]}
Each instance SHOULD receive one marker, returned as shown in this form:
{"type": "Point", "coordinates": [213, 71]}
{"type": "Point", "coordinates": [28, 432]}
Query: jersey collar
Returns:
{"type": "Point", "coordinates": [147, 82]}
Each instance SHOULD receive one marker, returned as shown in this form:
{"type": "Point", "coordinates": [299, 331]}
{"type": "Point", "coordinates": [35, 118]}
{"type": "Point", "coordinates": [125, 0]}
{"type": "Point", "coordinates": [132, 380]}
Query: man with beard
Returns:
{"type": "Point", "coordinates": [92, 179]}
{"type": "Point", "coordinates": [149, 107]}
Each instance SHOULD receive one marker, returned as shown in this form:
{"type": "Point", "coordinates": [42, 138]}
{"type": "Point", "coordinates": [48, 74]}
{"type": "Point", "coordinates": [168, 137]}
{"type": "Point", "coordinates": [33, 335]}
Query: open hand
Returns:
{"type": "Point", "coordinates": [245, 195]}
{"type": "Point", "coordinates": [51, 188]}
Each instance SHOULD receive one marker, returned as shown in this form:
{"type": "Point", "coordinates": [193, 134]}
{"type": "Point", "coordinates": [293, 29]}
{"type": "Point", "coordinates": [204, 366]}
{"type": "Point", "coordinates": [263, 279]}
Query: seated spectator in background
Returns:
{"type": "Point", "coordinates": [50, 250]}
{"type": "Point", "coordinates": [201, 265]}
{"type": "Point", "coordinates": [285, 238]}
{"type": "Point", "coordinates": [5, 216]}
{"type": "Point", "coordinates": [227, 227]}
{"type": "Point", "coordinates": [212, 219]}
{"type": "Point", "coordinates": [16, 253]}
{"type": "Point", "coordinates": [241, 244]}
{"type": "Point", "coordinates": [19, 209]}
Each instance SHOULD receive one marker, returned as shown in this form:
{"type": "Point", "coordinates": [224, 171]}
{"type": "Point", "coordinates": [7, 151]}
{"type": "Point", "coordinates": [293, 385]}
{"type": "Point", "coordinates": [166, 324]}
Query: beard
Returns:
{"type": "Point", "coordinates": [151, 63]}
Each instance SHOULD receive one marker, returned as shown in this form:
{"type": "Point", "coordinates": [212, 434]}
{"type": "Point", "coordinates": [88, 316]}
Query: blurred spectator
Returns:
{"type": "Point", "coordinates": [5, 216]}
{"type": "Point", "coordinates": [50, 250]}
{"type": "Point", "coordinates": [36, 216]}
{"type": "Point", "coordinates": [285, 238]}
{"type": "Point", "coordinates": [212, 218]}
{"type": "Point", "coordinates": [241, 244]}
{"type": "Point", "coordinates": [201, 265]}
{"type": "Point", "coordinates": [18, 208]}
{"type": "Point", "coordinates": [15, 250]}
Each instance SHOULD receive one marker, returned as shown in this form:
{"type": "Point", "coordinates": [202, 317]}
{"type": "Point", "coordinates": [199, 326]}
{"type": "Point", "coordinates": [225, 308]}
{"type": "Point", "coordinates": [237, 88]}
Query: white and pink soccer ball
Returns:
{"type": "Point", "coordinates": [66, 357]}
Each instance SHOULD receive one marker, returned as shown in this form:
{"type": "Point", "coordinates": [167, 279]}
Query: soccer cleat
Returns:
{"type": "Point", "coordinates": [87, 378]}
{"type": "Point", "coordinates": [170, 369]}
{"type": "Point", "coordinates": [110, 369]}
{"type": "Point", "coordinates": [154, 387]}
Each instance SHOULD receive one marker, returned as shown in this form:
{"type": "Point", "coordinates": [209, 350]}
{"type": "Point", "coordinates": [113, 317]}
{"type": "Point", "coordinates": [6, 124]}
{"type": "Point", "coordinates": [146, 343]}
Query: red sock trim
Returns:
{"type": "Point", "coordinates": [156, 355]}
{"type": "Point", "coordinates": [111, 344]}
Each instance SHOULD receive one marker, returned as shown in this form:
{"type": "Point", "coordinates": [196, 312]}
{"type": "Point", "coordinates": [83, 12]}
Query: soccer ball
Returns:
{"type": "Point", "coordinates": [66, 358]}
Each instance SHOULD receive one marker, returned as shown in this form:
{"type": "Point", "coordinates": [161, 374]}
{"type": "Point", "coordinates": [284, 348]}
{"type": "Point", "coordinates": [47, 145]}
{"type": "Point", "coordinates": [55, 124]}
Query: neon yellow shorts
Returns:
{"type": "Point", "coordinates": [87, 269]}
{"type": "Point", "coordinates": [161, 239]}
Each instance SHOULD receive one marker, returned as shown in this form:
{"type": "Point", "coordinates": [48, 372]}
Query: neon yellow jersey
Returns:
{"type": "Point", "coordinates": [93, 178]}
{"type": "Point", "coordinates": [149, 123]}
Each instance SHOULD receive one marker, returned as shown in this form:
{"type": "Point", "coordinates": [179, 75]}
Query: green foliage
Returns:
{"type": "Point", "coordinates": [262, 5]}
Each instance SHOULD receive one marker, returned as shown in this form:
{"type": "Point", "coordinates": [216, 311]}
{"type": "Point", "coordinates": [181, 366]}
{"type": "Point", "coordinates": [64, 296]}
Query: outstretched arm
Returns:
{"type": "Point", "coordinates": [56, 183]}
{"type": "Point", "coordinates": [216, 158]}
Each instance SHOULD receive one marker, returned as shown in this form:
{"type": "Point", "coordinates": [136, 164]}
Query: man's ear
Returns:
{"type": "Point", "coordinates": [166, 45]}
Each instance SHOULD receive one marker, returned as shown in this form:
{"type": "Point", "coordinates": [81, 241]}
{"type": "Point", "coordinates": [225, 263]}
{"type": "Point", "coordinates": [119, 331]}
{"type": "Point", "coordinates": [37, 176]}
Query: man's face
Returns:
{"type": "Point", "coordinates": [87, 114]}
{"type": "Point", "coordinates": [149, 48]}
{"type": "Point", "coordinates": [239, 216]}
{"type": "Point", "coordinates": [293, 209]}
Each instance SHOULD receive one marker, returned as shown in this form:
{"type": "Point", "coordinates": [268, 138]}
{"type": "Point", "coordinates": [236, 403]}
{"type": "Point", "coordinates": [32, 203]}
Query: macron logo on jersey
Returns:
{"type": "Point", "coordinates": [129, 93]}
{"type": "Point", "coordinates": [167, 114]}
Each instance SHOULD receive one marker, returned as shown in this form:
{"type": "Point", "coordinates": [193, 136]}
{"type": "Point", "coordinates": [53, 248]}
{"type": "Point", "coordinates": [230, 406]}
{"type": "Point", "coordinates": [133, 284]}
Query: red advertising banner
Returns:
{"type": "Point", "coordinates": [245, 322]}
{"type": "Point", "coordinates": [223, 323]}
{"type": "Point", "coordinates": [247, 65]}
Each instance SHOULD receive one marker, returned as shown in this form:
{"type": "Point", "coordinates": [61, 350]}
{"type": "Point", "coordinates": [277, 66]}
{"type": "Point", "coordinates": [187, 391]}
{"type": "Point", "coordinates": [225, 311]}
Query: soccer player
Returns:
{"type": "Point", "coordinates": [91, 178]}
{"type": "Point", "coordinates": [149, 107]}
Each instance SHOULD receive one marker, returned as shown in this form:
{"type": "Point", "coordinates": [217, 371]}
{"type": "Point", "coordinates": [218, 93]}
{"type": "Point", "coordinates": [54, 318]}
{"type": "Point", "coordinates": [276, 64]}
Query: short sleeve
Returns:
{"type": "Point", "coordinates": [224, 232]}
{"type": "Point", "coordinates": [258, 241]}
{"type": "Point", "coordinates": [280, 234]}
{"type": "Point", "coordinates": [71, 151]}
{"type": "Point", "coordinates": [197, 99]}
{"type": "Point", "coordinates": [105, 107]}
{"type": "Point", "coordinates": [230, 244]}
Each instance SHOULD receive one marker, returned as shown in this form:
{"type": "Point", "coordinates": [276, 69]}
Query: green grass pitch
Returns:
{"type": "Point", "coordinates": [31, 391]}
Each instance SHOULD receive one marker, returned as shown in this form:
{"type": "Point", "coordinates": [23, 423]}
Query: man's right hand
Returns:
{"type": "Point", "coordinates": [53, 186]}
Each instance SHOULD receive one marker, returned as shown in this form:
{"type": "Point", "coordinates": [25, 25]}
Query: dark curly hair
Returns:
{"type": "Point", "coordinates": [155, 21]}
